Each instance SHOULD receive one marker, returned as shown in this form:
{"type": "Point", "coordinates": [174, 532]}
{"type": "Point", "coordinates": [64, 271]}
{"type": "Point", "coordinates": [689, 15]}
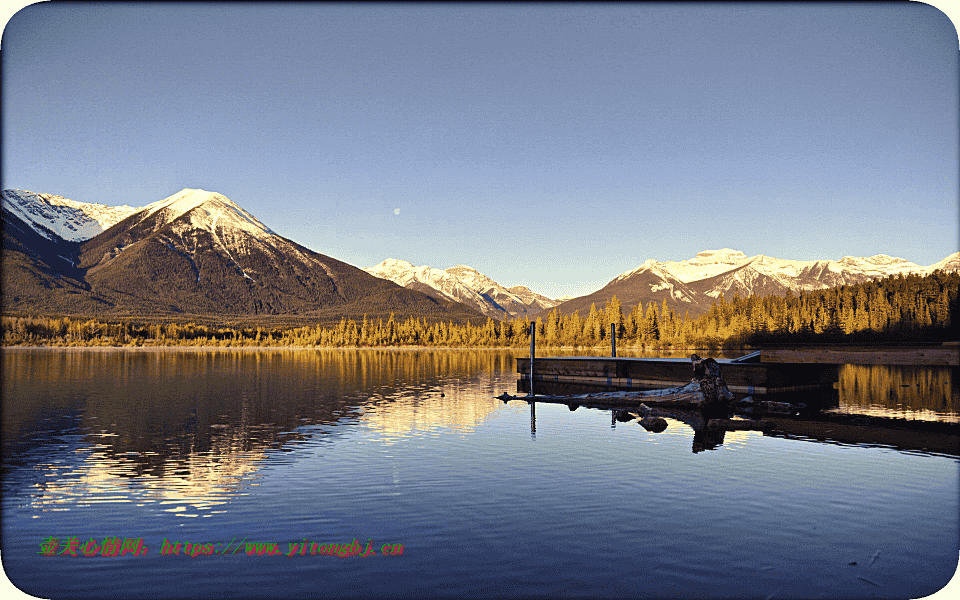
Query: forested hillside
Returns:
{"type": "Point", "coordinates": [909, 308]}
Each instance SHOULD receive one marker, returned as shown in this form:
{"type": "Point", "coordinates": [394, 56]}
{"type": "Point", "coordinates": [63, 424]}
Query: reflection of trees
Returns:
{"type": "Point", "coordinates": [429, 410]}
{"type": "Point", "coordinates": [416, 390]}
{"type": "Point", "coordinates": [905, 391]}
{"type": "Point", "coordinates": [190, 425]}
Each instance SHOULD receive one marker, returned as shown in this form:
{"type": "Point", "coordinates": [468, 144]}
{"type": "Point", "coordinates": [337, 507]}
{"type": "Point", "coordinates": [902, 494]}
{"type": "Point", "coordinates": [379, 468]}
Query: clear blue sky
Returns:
{"type": "Point", "coordinates": [551, 146]}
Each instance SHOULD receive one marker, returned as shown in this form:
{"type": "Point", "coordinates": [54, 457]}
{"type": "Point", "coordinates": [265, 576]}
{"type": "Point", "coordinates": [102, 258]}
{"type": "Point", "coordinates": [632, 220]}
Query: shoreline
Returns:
{"type": "Point", "coordinates": [524, 350]}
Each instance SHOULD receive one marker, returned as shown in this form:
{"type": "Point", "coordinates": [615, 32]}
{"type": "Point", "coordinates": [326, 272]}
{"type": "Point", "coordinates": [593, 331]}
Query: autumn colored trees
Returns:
{"type": "Point", "coordinates": [902, 308]}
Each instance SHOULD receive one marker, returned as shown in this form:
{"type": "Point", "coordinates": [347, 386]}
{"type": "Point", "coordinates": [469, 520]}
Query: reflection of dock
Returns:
{"type": "Point", "coordinates": [787, 397]}
{"type": "Point", "coordinates": [902, 434]}
{"type": "Point", "coordinates": [743, 376]}
{"type": "Point", "coordinates": [843, 429]}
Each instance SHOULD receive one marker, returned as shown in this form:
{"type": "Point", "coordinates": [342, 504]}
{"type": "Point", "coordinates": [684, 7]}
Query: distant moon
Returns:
{"type": "Point", "coordinates": [396, 211]}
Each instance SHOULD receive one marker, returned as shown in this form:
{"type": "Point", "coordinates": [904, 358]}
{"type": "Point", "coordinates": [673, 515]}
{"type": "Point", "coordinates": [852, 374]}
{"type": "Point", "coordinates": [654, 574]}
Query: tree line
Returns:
{"type": "Point", "coordinates": [910, 308]}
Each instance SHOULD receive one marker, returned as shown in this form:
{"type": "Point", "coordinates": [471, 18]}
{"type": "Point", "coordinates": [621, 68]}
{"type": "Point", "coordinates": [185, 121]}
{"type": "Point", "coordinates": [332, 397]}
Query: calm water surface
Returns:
{"type": "Point", "coordinates": [487, 499]}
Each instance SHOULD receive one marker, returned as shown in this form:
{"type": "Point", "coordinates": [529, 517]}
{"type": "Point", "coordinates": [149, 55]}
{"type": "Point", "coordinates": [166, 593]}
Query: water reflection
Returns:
{"type": "Point", "coordinates": [902, 391]}
{"type": "Point", "coordinates": [196, 486]}
{"type": "Point", "coordinates": [187, 430]}
{"type": "Point", "coordinates": [412, 447]}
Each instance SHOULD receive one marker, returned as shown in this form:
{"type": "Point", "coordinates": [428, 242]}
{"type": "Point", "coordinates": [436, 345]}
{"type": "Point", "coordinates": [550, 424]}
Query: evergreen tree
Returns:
{"type": "Point", "coordinates": [651, 325]}
{"type": "Point", "coordinates": [614, 316]}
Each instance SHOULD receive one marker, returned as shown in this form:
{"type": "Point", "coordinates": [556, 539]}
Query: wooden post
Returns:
{"type": "Point", "coordinates": [533, 352]}
{"type": "Point", "coordinates": [613, 340]}
{"type": "Point", "coordinates": [533, 418]}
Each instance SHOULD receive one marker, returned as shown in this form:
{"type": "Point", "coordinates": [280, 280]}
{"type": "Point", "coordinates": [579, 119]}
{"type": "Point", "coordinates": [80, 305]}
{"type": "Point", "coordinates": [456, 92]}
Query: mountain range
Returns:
{"type": "Point", "coordinates": [467, 285]}
{"type": "Point", "coordinates": [693, 284]}
{"type": "Point", "coordinates": [198, 253]}
{"type": "Point", "coordinates": [194, 253]}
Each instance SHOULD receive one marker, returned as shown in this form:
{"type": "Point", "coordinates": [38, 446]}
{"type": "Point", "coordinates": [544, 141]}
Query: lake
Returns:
{"type": "Point", "coordinates": [404, 464]}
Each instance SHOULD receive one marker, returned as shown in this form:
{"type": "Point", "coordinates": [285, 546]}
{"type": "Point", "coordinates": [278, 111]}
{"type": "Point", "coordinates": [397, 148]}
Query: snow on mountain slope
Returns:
{"type": "Point", "coordinates": [664, 279]}
{"type": "Point", "coordinates": [181, 220]}
{"type": "Point", "coordinates": [708, 263]}
{"type": "Point", "coordinates": [195, 253]}
{"type": "Point", "coordinates": [217, 210]}
{"type": "Point", "coordinates": [515, 300]}
{"type": "Point", "coordinates": [770, 272]}
{"type": "Point", "coordinates": [81, 221]}
{"type": "Point", "coordinates": [51, 215]}
{"type": "Point", "coordinates": [950, 263]}
{"type": "Point", "coordinates": [694, 283]}
{"type": "Point", "coordinates": [472, 278]}
{"type": "Point", "coordinates": [232, 229]}
{"type": "Point", "coordinates": [464, 284]}
{"type": "Point", "coordinates": [531, 298]}
{"type": "Point", "coordinates": [430, 280]}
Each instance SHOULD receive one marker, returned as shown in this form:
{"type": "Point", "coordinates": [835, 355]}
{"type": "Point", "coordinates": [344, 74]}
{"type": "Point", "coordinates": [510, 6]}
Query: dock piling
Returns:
{"type": "Point", "coordinates": [533, 353]}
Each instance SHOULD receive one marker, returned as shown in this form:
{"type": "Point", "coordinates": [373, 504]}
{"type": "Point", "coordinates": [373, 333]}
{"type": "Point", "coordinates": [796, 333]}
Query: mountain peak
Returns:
{"type": "Point", "coordinates": [884, 259]}
{"type": "Point", "coordinates": [393, 263]}
{"type": "Point", "coordinates": [205, 210]}
{"type": "Point", "coordinates": [723, 255]}
{"type": "Point", "coordinates": [472, 278]}
{"type": "Point", "coordinates": [184, 200]}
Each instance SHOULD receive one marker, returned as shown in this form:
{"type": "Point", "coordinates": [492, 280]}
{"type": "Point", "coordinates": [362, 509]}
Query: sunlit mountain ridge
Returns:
{"type": "Point", "coordinates": [197, 252]}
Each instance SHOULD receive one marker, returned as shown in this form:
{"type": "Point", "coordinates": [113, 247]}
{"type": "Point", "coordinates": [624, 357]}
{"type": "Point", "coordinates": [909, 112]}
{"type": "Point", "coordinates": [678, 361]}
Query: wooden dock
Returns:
{"type": "Point", "coordinates": [626, 374]}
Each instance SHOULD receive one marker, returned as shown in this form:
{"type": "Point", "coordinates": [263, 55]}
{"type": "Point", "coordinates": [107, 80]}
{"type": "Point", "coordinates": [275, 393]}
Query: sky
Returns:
{"type": "Point", "coordinates": [553, 146]}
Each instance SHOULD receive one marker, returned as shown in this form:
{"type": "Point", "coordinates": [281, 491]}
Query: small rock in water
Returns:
{"type": "Point", "coordinates": [654, 424]}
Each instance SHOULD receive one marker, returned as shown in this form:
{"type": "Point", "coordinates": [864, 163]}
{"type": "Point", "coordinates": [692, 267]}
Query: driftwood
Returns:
{"type": "Point", "coordinates": [757, 409]}
{"type": "Point", "coordinates": [707, 392]}
{"type": "Point", "coordinates": [688, 395]}
{"type": "Point", "coordinates": [717, 398]}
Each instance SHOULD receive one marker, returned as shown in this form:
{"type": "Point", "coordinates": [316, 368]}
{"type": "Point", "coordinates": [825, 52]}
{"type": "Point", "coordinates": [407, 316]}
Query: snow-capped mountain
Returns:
{"type": "Point", "coordinates": [796, 274]}
{"type": "Point", "coordinates": [180, 221]}
{"type": "Point", "coordinates": [745, 275]}
{"type": "Point", "coordinates": [467, 285]}
{"type": "Point", "coordinates": [515, 301]}
{"type": "Point", "coordinates": [51, 215]}
{"type": "Point", "coordinates": [692, 284]}
{"type": "Point", "coordinates": [950, 263]}
{"type": "Point", "coordinates": [196, 252]}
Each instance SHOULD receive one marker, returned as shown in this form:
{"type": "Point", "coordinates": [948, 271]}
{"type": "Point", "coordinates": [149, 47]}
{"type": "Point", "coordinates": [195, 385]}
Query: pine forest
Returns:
{"type": "Point", "coordinates": [909, 308]}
